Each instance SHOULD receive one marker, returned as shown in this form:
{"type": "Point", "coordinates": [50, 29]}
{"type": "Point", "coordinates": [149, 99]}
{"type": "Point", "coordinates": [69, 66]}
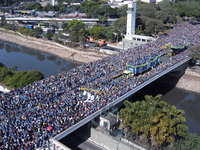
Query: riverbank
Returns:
{"type": "Point", "coordinates": [52, 48]}
{"type": "Point", "coordinates": [190, 81]}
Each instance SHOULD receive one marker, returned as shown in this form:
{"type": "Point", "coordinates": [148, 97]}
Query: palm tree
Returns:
{"type": "Point", "coordinates": [156, 120]}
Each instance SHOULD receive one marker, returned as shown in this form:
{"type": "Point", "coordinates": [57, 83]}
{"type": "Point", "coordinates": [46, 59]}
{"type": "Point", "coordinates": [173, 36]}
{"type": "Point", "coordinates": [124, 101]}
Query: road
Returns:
{"type": "Point", "coordinates": [76, 142]}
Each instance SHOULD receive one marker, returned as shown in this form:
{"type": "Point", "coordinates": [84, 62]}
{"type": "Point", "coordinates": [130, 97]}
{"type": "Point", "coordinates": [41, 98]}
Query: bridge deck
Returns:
{"type": "Point", "coordinates": [122, 98]}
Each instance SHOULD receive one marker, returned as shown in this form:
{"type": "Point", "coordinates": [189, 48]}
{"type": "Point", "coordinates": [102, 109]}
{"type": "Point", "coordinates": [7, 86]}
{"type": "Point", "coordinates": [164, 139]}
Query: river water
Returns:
{"type": "Point", "coordinates": [26, 59]}
{"type": "Point", "coordinates": [182, 99]}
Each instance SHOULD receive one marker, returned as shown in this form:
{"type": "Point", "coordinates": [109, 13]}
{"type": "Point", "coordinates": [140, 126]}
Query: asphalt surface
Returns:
{"type": "Point", "coordinates": [76, 142]}
{"type": "Point", "coordinates": [111, 48]}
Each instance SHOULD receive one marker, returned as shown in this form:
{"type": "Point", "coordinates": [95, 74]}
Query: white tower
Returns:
{"type": "Point", "coordinates": [131, 13]}
{"type": "Point", "coordinates": [53, 2]}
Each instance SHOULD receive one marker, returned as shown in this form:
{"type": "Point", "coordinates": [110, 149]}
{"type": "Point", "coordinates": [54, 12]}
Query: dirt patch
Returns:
{"type": "Point", "coordinates": [52, 48]}
{"type": "Point", "coordinates": [190, 81]}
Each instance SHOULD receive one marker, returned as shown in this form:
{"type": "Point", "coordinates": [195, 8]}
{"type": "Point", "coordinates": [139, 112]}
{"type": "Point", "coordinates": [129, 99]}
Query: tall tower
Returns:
{"type": "Point", "coordinates": [131, 13]}
{"type": "Point", "coordinates": [53, 2]}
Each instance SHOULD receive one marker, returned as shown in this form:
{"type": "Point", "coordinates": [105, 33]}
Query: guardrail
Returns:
{"type": "Point", "coordinates": [122, 98]}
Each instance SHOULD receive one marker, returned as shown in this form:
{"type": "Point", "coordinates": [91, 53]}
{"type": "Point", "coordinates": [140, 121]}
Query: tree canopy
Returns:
{"type": "Point", "coordinates": [195, 52]}
{"type": "Point", "coordinates": [33, 5]}
{"type": "Point", "coordinates": [37, 32]}
{"type": "Point", "coordinates": [156, 120]}
{"type": "Point", "coordinates": [96, 32]}
{"type": "Point", "coordinates": [190, 142]}
{"type": "Point", "coordinates": [13, 78]}
{"type": "Point", "coordinates": [74, 28]}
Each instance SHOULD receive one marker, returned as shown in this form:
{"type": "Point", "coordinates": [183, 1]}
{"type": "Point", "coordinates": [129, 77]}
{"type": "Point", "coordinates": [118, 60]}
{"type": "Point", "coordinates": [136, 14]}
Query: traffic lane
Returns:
{"type": "Point", "coordinates": [76, 142]}
{"type": "Point", "coordinates": [111, 48]}
{"type": "Point", "coordinates": [89, 146]}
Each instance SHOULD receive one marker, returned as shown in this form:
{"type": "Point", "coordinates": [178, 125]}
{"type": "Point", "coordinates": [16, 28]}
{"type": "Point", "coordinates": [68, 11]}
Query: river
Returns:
{"type": "Point", "coordinates": [182, 99]}
{"type": "Point", "coordinates": [27, 59]}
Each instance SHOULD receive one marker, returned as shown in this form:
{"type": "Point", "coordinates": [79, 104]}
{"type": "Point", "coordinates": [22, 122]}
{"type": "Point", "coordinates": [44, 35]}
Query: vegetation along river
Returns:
{"type": "Point", "coordinates": [27, 59]}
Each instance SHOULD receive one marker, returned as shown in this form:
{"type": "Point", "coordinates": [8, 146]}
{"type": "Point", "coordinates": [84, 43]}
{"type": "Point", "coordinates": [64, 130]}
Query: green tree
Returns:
{"type": "Point", "coordinates": [49, 36]}
{"type": "Point", "coordinates": [62, 9]}
{"type": "Point", "coordinates": [156, 120]}
{"type": "Point", "coordinates": [25, 31]}
{"type": "Point", "coordinates": [64, 26]}
{"type": "Point", "coordinates": [3, 20]}
{"type": "Point", "coordinates": [30, 32]}
{"type": "Point", "coordinates": [145, 9]}
{"type": "Point", "coordinates": [102, 19]}
{"type": "Point", "coordinates": [108, 32]}
{"type": "Point", "coordinates": [33, 5]}
{"type": "Point", "coordinates": [13, 81]}
{"type": "Point", "coordinates": [190, 142]}
{"type": "Point", "coordinates": [21, 29]}
{"type": "Point", "coordinates": [19, 79]}
{"type": "Point", "coordinates": [74, 24]}
{"type": "Point", "coordinates": [73, 38]}
{"type": "Point", "coordinates": [153, 26]}
{"type": "Point", "coordinates": [122, 11]}
{"type": "Point", "coordinates": [96, 32]}
{"type": "Point", "coordinates": [74, 27]}
{"type": "Point", "coordinates": [195, 52]}
{"type": "Point", "coordinates": [99, 11]}
{"type": "Point", "coordinates": [164, 4]}
{"type": "Point", "coordinates": [120, 24]}
{"type": "Point", "coordinates": [83, 35]}
{"type": "Point", "coordinates": [166, 14]}
{"type": "Point", "coordinates": [37, 32]}
{"type": "Point", "coordinates": [4, 71]}
{"type": "Point", "coordinates": [112, 12]}
{"type": "Point", "coordinates": [92, 8]}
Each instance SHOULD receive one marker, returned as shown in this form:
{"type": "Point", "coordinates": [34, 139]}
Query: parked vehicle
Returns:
{"type": "Point", "coordinates": [29, 26]}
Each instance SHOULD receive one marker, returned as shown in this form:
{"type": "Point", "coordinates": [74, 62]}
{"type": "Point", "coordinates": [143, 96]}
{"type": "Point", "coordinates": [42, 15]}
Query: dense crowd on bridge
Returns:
{"type": "Point", "coordinates": [32, 114]}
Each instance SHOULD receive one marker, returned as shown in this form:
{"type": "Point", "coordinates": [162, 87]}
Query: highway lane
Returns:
{"type": "Point", "coordinates": [77, 142]}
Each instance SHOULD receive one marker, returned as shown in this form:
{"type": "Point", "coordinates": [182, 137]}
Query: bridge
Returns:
{"type": "Point", "coordinates": [38, 19]}
{"type": "Point", "coordinates": [84, 75]}
{"type": "Point", "coordinates": [179, 67]}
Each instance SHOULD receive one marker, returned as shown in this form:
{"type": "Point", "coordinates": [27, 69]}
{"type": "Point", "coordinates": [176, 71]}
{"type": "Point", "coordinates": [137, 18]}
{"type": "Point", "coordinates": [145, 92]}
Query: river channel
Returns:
{"type": "Point", "coordinates": [182, 99]}
{"type": "Point", "coordinates": [26, 59]}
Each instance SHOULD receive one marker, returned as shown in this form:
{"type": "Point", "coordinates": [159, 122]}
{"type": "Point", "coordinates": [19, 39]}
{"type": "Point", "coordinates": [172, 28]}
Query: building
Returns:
{"type": "Point", "coordinates": [149, 1]}
{"type": "Point", "coordinates": [131, 39]}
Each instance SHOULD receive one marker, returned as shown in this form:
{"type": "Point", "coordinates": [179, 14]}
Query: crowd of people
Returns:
{"type": "Point", "coordinates": [33, 114]}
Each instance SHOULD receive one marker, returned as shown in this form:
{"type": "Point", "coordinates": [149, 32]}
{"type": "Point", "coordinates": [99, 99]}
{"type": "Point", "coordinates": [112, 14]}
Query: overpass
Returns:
{"type": "Point", "coordinates": [178, 68]}
{"type": "Point", "coordinates": [85, 20]}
